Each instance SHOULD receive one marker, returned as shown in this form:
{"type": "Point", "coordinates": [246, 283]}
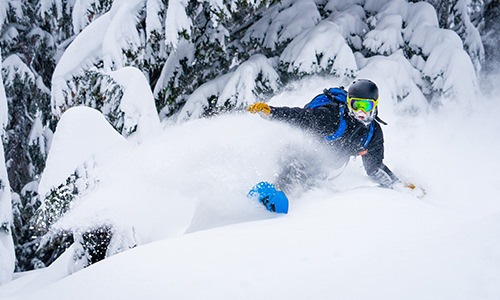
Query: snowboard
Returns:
{"type": "Point", "coordinates": [267, 194]}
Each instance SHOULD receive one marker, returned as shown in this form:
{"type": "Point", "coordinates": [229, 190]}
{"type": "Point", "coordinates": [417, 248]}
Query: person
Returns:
{"type": "Point", "coordinates": [354, 131]}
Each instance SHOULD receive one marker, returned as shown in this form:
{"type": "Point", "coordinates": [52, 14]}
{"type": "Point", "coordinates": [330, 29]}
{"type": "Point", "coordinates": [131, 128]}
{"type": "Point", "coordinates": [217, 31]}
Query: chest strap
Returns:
{"type": "Point", "coordinates": [343, 126]}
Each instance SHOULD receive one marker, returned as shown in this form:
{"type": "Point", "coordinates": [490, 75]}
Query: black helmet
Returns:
{"type": "Point", "coordinates": [363, 88]}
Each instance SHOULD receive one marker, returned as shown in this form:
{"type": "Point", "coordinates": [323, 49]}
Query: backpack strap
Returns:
{"type": "Point", "coordinates": [336, 94]}
{"type": "Point", "coordinates": [366, 140]}
{"type": "Point", "coordinates": [342, 126]}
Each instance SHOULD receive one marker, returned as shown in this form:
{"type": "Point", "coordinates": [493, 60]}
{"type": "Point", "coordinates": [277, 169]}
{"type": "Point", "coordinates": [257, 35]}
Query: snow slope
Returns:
{"type": "Point", "coordinates": [347, 246]}
{"type": "Point", "coordinates": [183, 193]}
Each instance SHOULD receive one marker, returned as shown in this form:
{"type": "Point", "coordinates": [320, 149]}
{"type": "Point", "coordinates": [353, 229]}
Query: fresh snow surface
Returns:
{"type": "Point", "coordinates": [199, 237]}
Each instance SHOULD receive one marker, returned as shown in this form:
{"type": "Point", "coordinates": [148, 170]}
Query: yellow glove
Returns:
{"type": "Point", "coordinates": [259, 107]}
{"type": "Point", "coordinates": [417, 191]}
{"type": "Point", "coordinates": [410, 185]}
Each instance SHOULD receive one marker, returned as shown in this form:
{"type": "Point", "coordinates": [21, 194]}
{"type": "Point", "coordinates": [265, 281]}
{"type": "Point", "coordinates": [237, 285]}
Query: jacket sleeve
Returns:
{"type": "Point", "coordinates": [317, 119]}
{"type": "Point", "coordinates": [373, 161]}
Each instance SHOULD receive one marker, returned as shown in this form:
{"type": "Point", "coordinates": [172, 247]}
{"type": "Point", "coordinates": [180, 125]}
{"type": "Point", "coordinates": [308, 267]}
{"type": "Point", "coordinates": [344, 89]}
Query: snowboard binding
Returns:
{"type": "Point", "coordinates": [267, 194]}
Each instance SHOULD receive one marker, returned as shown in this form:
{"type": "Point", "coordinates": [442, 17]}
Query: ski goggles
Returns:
{"type": "Point", "coordinates": [366, 105]}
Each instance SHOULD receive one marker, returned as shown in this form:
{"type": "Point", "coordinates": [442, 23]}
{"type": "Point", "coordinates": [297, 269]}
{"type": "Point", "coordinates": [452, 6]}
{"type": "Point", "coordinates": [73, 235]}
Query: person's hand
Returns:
{"type": "Point", "coordinates": [259, 107]}
{"type": "Point", "coordinates": [409, 185]}
{"type": "Point", "coordinates": [410, 188]}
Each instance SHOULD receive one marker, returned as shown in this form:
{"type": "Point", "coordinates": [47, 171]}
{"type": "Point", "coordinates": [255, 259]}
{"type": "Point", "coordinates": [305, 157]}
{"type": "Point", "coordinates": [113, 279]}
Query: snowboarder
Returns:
{"type": "Point", "coordinates": [350, 126]}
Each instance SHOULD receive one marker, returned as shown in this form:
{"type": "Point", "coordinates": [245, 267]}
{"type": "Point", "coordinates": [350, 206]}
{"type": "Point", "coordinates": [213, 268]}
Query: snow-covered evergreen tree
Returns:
{"type": "Point", "coordinates": [7, 257]}
{"type": "Point", "coordinates": [29, 53]}
{"type": "Point", "coordinates": [457, 15]}
{"type": "Point", "coordinates": [192, 59]}
{"type": "Point", "coordinates": [490, 28]}
{"type": "Point", "coordinates": [462, 25]}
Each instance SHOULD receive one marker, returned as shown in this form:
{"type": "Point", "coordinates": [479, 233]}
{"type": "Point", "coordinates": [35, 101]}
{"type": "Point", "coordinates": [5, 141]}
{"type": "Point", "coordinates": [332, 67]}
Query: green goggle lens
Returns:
{"type": "Point", "coordinates": [366, 105]}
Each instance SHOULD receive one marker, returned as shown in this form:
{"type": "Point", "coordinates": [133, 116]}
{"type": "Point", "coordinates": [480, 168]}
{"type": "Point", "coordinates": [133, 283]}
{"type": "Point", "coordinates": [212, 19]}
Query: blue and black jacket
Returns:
{"type": "Point", "coordinates": [355, 140]}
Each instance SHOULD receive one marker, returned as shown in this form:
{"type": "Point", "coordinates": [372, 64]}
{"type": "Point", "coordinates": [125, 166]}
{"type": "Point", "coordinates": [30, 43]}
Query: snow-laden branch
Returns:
{"type": "Point", "coordinates": [350, 21]}
{"type": "Point", "coordinates": [81, 54]}
{"type": "Point", "coordinates": [137, 104]}
{"type": "Point", "coordinates": [4, 113]}
{"type": "Point", "coordinates": [283, 22]}
{"type": "Point", "coordinates": [172, 67]}
{"type": "Point", "coordinates": [80, 15]}
{"type": "Point", "coordinates": [13, 66]}
{"type": "Point", "coordinates": [469, 33]}
{"type": "Point", "coordinates": [318, 50]}
{"type": "Point", "coordinates": [386, 38]}
{"type": "Point", "coordinates": [46, 6]}
{"type": "Point", "coordinates": [398, 83]}
{"type": "Point", "coordinates": [236, 89]}
{"type": "Point", "coordinates": [451, 73]}
{"type": "Point", "coordinates": [153, 21]}
{"type": "Point", "coordinates": [4, 5]}
{"type": "Point", "coordinates": [121, 33]}
{"type": "Point", "coordinates": [240, 88]}
{"type": "Point", "coordinates": [447, 66]}
{"type": "Point", "coordinates": [104, 39]}
{"type": "Point", "coordinates": [176, 22]}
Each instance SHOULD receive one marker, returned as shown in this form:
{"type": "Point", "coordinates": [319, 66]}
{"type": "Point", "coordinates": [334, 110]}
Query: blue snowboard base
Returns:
{"type": "Point", "coordinates": [274, 200]}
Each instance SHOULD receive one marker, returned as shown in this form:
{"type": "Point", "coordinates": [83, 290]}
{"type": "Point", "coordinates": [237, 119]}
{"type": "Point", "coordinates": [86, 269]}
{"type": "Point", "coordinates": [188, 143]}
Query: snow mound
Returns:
{"type": "Point", "coordinates": [81, 133]}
